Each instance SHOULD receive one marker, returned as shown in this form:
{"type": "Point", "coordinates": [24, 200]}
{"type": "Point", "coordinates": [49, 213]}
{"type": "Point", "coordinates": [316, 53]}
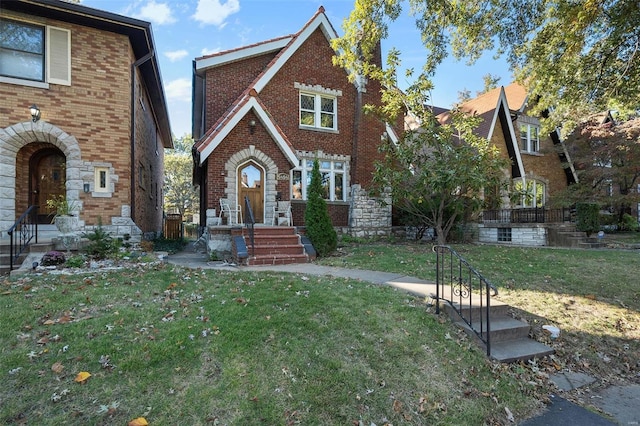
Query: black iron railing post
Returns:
{"type": "Point", "coordinates": [250, 222]}
{"type": "Point", "coordinates": [462, 287]}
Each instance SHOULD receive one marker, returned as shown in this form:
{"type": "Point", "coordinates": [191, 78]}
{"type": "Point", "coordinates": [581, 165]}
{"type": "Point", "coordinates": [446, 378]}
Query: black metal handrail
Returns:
{"type": "Point", "coordinates": [469, 293]}
{"type": "Point", "coordinates": [249, 222]}
{"type": "Point", "coordinates": [528, 215]}
{"type": "Point", "coordinates": [27, 229]}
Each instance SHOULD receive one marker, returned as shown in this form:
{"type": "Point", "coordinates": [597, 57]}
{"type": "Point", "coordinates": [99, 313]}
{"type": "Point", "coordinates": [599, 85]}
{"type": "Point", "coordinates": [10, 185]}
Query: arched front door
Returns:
{"type": "Point", "coordinates": [48, 178]}
{"type": "Point", "coordinates": [251, 185]}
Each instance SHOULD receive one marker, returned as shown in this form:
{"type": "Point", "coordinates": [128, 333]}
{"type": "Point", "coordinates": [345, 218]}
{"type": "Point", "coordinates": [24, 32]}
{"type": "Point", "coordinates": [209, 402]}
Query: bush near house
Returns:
{"type": "Point", "coordinates": [588, 218]}
{"type": "Point", "coordinates": [316, 216]}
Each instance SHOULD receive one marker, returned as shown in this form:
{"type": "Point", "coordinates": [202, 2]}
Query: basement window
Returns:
{"type": "Point", "coordinates": [504, 235]}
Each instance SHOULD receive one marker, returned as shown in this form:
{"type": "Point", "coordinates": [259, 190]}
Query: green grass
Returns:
{"type": "Point", "coordinates": [593, 296]}
{"type": "Point", "coordinates": [208, 347]}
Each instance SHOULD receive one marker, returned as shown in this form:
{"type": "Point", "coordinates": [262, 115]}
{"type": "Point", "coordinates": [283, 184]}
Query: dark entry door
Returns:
{"type": "Point", "coordinates": [48, 181]}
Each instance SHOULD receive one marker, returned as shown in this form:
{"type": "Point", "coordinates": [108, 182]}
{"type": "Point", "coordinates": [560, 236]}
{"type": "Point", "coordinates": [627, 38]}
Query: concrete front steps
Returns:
{"type": "Point", "coordinates": [568, 236]}
{"type": "Point", "coordinates": [509, 337]}
{"type": "Point", "coordinates": [45, 233]}
{"type": "Point", "coordinates": [272, 245]}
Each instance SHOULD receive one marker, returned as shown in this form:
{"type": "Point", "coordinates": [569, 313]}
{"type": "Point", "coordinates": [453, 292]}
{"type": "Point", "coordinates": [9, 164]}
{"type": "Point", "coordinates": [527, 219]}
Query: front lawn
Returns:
{"type": "Point", "coordinates": [177, 346]}
{"type": "Point", "coordinates": [592, 295]}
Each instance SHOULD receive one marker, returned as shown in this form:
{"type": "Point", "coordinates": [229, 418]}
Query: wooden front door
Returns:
{"type": "Point", "coordinates": [251, 185]}
{"type": "Point", "coordinates": [48, 178]}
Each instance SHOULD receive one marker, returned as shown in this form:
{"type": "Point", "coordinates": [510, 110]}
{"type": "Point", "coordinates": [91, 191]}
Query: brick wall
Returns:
{"type": "Point", "coordinates": [94, 110]}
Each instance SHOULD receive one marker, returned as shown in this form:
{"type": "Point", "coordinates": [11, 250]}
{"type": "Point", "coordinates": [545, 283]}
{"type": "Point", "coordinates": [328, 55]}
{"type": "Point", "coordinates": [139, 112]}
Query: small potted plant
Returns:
{"type": "Point", "coordinates": [64, 213]}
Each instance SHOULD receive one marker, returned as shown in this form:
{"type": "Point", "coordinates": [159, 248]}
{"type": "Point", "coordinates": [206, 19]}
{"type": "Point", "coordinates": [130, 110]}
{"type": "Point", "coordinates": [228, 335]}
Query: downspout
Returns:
{"type": "Point", "coordinates": [134, 169]}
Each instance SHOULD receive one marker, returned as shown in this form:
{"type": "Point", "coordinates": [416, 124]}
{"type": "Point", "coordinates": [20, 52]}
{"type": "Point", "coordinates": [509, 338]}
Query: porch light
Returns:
{"type": "Point", "coordinates": [252, 126]}
{"type": "Point", "coordinates": [35, 112]}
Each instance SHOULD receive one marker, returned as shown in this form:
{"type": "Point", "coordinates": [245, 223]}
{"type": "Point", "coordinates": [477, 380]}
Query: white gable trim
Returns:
{"type": "Point", "coordinates": [242, 53]}
{"type": "Point", "coordinates": [502, 100]}
{"type": "Point", "coordinates": [320, 21]}
{"type": "Point", "coordinates": [252, 103]}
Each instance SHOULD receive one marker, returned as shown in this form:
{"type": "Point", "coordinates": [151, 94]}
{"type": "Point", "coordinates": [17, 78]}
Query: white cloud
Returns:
{"type": "Point", "coordinates": [157, 13]}
{"type": "Point", "coordinates": [178, 90]}
{"type": "Point", "coordinates": [206, 51]}
{"type": "Point", "coordinates": [176, 55]}
{"type": "Point", "coordinates": [215, 12]}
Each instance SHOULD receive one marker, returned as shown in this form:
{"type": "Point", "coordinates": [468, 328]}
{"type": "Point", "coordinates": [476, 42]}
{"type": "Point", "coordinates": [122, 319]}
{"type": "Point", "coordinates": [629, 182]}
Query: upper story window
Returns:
{"type": "Point", "coordinates": [333, 175]}
{"type": "Point", "coordinates": [318, 111]}
{"type": "Point", "coordinates": [529, 138]}
{"type": "Point", "coordinates": [34, 53]}
{"type": "Point", "coordinates": [318, 107]}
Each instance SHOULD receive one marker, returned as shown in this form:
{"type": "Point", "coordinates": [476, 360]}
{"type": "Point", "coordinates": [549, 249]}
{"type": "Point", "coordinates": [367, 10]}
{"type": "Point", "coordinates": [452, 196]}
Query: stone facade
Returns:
{"type": "Point", "coordinates": [369, 217]}
{"type": "Point", "coordinates": [519, 234]}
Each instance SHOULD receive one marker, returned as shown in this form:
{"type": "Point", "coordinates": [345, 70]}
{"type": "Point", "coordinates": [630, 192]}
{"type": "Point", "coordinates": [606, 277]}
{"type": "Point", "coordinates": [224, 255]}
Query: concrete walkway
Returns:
{"type": "Point", "coordinates": [621, 402]}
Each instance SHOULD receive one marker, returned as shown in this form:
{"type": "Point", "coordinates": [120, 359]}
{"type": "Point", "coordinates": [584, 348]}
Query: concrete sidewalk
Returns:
{"type": "Point", "coordinates": [621, 402]}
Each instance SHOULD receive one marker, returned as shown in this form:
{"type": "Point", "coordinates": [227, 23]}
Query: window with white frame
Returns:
{"type": "Point", "coordinates": [530, 195]}
{"type": "Point", "coordinates": [34, 52]}
{"type": "Point", "coordinates": [318, 111]}
{"type": "Point", "coordinates": [333, 174]}
{"type": "Point", "coordinates": [101, 179]}
{"type": "Point", "coordinates": [529, 138]}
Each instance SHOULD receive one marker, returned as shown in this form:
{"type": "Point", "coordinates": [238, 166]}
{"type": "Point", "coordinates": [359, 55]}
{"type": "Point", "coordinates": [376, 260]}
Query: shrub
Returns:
{"type": "Point", "coordinates": [588, 217]}
{"type": "Point", "coordinates": [628, 223]}
{"type": "Point", "coordinates": [101, 245]}
{"type": "Point", "coordinates": [318, 224]}
{"type": "Point", "coordinates": [75, 262]}
{"type": "Point", "coordinates": [52, 258]}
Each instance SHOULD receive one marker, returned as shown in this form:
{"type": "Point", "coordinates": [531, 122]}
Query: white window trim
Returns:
{"type": "Point", "coordinates": [530, 144]}
{"type": "Point", "coordinates": [318, 92]}
{"type": "Point", "coordinates": [96, 181]}
{"type": "Point", "coordinates": [305, 167]}
{"type": "Point", "coordinates": [534, 202]}
{"type": "Point", "coordinates": [317, 111]}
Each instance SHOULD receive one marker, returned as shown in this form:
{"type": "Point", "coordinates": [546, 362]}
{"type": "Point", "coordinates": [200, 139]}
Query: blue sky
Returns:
{"type": "Point", "coordinates": [186, 29]}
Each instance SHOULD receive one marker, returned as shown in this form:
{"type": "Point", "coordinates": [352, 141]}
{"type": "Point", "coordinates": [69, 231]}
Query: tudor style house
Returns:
{"type": "Point", "coordinates": [540, 168]}
{"type": "Point", "coordinates": [100, 122]}
{"type": "Point", "coordinates": [263, 113]}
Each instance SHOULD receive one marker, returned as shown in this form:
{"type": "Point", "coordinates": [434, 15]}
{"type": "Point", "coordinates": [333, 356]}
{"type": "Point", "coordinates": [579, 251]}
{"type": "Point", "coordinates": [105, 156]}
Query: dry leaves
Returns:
{"type": "Point", "coordinates": [82, 377]}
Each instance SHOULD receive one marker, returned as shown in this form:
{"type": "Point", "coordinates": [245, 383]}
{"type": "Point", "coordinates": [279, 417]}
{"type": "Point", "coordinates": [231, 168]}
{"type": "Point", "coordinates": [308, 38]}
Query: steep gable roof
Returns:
{"type": "Point", "coordinates": [250, 97]}
{"type": "Point", "coordinates": [493, 108]}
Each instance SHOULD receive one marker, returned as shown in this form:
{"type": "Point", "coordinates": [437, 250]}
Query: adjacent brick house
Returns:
{"type": "Point", "coordinates": [261, 115]}
{"type": "Point", "coordinates": [540, 165]}
{"type": "Point", "coordinates": [104, 123]}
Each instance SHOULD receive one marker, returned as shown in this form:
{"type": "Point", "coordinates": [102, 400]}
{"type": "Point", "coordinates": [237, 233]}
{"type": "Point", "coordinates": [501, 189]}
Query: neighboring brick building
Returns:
{"type": "Point", "coordinates": [540, 166]}
{"type": "Point", "coordinates": [261, 115]}
{"type": "Point", "coordinates": [104, 123]}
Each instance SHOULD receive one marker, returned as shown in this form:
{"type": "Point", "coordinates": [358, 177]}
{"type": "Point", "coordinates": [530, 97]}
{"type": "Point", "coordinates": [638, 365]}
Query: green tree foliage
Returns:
{"type": "Point", "coordinates": [437, 173]}
{"type": "Point", "coordinates": [179, 193]}
{"type": "Point", "coordinates": [318, 224]}
{"type": "Point", "coordinates": [607, 161]}
{"type": "Point", "coordinates": [575, 57]}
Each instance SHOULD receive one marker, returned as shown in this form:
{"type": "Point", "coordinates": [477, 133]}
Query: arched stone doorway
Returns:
{"type": "Point", "coordinates": [16, 183]}
{"type": "Point", "coordinates": [251, 185]}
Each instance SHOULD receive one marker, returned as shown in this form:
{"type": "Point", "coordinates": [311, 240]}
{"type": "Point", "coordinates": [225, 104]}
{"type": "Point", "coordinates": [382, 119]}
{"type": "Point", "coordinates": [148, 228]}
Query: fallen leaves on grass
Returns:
{"type": "Point", "coordinates": [140, 421]}
{"type": "Point", "coordinates": [82, 377]}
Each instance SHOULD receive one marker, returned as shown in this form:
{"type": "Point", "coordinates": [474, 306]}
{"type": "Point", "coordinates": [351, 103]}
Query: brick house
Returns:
{"type": "Point", "coordinates": [262, 113]}
{"type": "Point", "coordinates": [540, 168]}
{"type": "Point", "coordinates": [103, 122]}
